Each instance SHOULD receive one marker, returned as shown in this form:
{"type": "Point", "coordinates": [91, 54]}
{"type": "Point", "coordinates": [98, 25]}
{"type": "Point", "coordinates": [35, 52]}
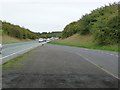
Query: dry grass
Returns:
{"type": "Point", "coordinates": [7, 39]}
{"type": "Point", "coordinates": [79, 40]}
{"type": "Point", "coordinates": [84, 41]}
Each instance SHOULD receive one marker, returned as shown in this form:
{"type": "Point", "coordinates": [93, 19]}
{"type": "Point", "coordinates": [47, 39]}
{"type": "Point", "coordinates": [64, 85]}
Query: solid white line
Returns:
{"type": "Point", "coordinates": [98, 66]}
{"type": "Point", "coordinates": [16, 53]}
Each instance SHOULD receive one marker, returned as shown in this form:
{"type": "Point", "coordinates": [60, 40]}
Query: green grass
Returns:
{"type": "Point", "coordinates": [13, 63]}
{"type": "Point", "coordinates": [84, 42]}
{"type": "Point", "coordinates": [16, 62]}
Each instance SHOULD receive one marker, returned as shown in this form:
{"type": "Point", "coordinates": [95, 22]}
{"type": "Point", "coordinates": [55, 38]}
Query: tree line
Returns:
{"type": "Point", "coordinates": [102, 23]}
{"type": "Point", "coordinates": [49, 34]}
{"type": "Point", "coordinates": [17, 31]}
{"type": "Point", "coordinates": [23, 33]}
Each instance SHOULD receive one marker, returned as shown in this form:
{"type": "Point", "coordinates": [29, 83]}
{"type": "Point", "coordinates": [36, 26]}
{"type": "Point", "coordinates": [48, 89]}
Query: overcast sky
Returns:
{"type": "Point", "coordinates": [47, 15]}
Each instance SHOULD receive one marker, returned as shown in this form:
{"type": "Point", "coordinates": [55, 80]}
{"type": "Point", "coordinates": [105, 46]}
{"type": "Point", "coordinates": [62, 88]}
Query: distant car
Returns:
{"type": "Point", "coordinates": [0, 48]}
{"type": "Point", "coordinates": [41, 40]}
{"type": "Point", "coordinates": [44, 40]}
{"type": "Point", "coordinates": [48, 40]}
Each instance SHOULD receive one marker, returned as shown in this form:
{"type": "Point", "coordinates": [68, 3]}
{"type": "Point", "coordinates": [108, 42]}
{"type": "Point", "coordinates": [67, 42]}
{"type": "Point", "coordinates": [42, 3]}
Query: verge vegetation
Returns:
{"type": "Point", "coordinates": [100, 28]}
{"type": "Point", "coordinates": [84, 41]}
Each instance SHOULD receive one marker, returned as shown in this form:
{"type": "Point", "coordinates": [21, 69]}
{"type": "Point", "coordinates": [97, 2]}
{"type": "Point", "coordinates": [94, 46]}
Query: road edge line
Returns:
{"type": "Point", "coordinates": [98, 66]}
{"type": "Point", "coordinates": [17, 53]}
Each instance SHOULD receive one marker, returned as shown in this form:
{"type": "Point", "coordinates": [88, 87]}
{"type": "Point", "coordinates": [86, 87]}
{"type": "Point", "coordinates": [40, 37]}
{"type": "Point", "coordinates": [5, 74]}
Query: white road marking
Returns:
{"type": "Point", "coordinates": [16, 53]}
{"type": "Point", "coordinates": [98, 66]}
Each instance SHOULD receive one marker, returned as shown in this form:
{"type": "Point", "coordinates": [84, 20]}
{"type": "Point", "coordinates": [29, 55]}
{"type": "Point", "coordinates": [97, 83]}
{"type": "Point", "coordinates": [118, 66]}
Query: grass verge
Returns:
{"type": "Point", "coordinates": [84, 42]}
{"type": "Point", "coordinates": [16, 62]}
{"type": "Point", "coordinates": [7, 39]}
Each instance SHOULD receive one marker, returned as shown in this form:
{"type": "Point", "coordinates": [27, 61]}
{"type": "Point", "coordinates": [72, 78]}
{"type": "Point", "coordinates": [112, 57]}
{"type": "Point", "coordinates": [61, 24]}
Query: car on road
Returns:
{"type": "Point", "coordinates": [40, 40]}
{"type": "Point", "coordinates": [48, 40]}
{"type": "Point", "coordinates": [0, 48]}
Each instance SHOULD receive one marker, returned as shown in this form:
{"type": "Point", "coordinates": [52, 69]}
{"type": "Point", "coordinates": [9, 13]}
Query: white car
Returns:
{"type": "Point", "coordinates": [0, 48]}
{"type": "Point", "coordinates": [48, 40]}
{"type": "Point", "coordinates": [40, 40]}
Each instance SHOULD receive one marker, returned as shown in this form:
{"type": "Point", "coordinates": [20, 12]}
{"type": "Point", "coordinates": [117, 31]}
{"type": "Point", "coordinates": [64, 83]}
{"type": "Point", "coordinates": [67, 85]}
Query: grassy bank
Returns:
{"type": "Point", "coordinates": [85, 41]}
{"type": "Point", "coordinates": [7, 40]}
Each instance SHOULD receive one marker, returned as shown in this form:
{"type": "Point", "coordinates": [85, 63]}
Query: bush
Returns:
{"type": "Point", "coordinates": [102, 23]}
{"type": "Point", "coordinates": [17, 31]}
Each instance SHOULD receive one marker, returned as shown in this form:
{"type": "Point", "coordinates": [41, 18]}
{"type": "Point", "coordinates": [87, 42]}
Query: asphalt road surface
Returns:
{"type": "Point", "coordinates": [11, 51]}
{"type": "Point", "coordinates": [106, 60]}
{"type": "Point", "coordinates": [54, 66]}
